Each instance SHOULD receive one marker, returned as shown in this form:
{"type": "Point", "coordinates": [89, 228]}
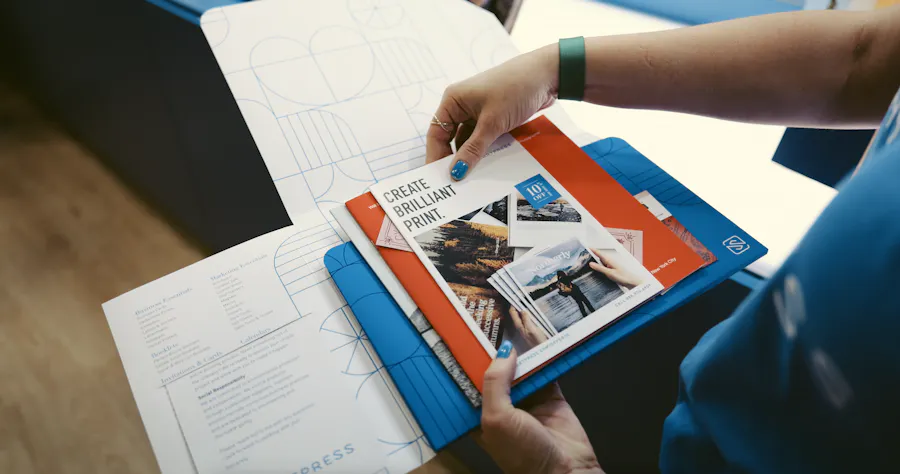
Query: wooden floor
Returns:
{"type": "Point", "coordinates": [71, 237]}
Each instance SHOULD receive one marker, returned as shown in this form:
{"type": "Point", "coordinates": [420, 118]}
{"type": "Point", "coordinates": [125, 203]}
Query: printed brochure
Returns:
{"type": "Point", "coordinates": [577, 279]}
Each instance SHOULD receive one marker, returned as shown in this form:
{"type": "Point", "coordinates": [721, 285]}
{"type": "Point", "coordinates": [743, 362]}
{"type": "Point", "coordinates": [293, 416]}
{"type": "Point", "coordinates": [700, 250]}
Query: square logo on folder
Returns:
{"type": "Point", "coordinates": [537, 191]}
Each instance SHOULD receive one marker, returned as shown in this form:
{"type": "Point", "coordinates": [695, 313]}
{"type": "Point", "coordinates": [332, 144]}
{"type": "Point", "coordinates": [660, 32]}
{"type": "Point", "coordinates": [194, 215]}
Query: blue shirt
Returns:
{"type": "Point", "coordinates": [805, 375]}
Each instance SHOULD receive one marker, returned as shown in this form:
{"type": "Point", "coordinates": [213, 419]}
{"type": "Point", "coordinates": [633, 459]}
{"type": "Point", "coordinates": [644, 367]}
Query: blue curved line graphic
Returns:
{"type": "Point", "coordinates": [336, 261]}
{"type": "Point", "coordinates": [227, 27]}
{"type": "Point", "coordinates": [374, 293]}
{"type": "Point", "coordinates": [330, 184]}
{"type": "Point", "coordinates": [343, 268]}
{"type": "Point", "coordinates": [354, 340]}
{"type": "Point", "coordinates": [263, 84]}
{"type": "Point", "coordinates": [253, 101]}
{"type": "Point", "coordinates": [351, 336]}
{"type": "Point", "coordinates": [338, 165]}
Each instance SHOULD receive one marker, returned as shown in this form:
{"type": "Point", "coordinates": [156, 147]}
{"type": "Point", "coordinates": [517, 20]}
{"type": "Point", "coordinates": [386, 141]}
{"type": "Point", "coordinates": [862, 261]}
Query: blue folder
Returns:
{"type": "Point", "coordinates": [440, 407]}
{"type": "Point", "coordinates": [695, 12]}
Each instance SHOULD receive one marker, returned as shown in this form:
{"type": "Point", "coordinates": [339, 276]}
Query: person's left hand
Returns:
{"type": "Point", "coordinates": [544, 437]}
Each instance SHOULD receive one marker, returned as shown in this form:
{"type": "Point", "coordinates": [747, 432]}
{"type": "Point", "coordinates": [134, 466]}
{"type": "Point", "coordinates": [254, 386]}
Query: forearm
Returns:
{"type": "Point", "coordinates": [829, 69]}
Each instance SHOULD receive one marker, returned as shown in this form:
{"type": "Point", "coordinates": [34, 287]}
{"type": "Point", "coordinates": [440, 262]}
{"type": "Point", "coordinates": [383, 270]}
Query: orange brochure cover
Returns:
{"type": "Point", "coordinates": [665, 259]}
{"type": "Point", "coordinates": [668, 258]}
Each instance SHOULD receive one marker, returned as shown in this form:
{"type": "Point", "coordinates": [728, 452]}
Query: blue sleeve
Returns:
{"type": "Point", "coordinates": [687, 449]}
{"type": "Point", "coordinates": [805, 375]}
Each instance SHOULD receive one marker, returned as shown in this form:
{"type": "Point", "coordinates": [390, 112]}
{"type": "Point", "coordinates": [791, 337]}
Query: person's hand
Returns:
{"type": "Point", "coordinates": [544, 437]}
{"type": "Point", "coordinates": [613, 269]}
{"type": "Point", "coordinates": [524, 323]}
{"type": "Point", "coordinates": [476, 111]}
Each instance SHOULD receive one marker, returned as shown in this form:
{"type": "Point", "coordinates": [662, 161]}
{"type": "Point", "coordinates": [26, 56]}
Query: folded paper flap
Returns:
{"type": "Point", "coordinates": [441, 409]}
{"type": "Point", "coordinates": [425, 292]}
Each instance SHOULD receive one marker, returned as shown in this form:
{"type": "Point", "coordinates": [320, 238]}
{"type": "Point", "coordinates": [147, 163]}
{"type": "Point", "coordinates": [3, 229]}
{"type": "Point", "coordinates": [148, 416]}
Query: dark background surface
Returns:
{"type": "Point", "coordinates": [141, 89]}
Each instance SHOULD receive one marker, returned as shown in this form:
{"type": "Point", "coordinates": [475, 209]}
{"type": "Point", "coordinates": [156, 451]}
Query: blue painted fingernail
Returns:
{"type": "Point", "coordinates": [505, 349]}
{"type": "Point", "coordinates": [460, 168]}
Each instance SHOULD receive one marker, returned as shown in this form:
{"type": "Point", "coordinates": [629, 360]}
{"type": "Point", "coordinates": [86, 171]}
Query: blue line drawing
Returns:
{"type": "Point", "coordinates": [215, 26]}
{"type": "Point", "coordinates": [298, 261]}
{"type": "Point", "coordinates": [379, 14]}
{"type": "Point", "coordinates": [314, 74]}
{"type": "Point", "coordinates": [318, 139]}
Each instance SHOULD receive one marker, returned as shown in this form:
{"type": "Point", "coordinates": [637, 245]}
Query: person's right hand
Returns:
{"type": "Point", "coordinates": [613, 269]}
{"type": "Point", "coordinates": [480, 109]}
{"type": "Point", "coordinates": [544, 436]}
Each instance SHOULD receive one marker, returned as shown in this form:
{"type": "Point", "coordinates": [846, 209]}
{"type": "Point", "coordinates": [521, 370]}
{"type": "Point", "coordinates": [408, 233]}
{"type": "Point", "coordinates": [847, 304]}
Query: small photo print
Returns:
{"type": "Point", "coordinates": [558, 210]}
{"type": "Point", "coordinates": [469, 216]}
{"type": "Point", "coordinates": [466, 254]}
{"type": "Point", "coordinates": [497, 209]}
{"type": "Point", "coordinates": [492, 214]}
{"type": "Point", "coordinates": [562, 285]}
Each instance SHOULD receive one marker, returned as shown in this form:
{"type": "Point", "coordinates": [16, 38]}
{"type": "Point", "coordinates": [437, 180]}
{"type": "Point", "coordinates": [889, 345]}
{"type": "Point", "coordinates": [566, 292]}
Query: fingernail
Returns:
{"type": "Point", "coordinates": [460, 168]}
{"type": "Point", "coordinates": [504, 350]}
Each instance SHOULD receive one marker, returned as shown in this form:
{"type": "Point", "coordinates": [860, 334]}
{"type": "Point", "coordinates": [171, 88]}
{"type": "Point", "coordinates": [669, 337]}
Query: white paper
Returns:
{"type": "Point", "coordinates": [251, 410]}
{"type": "Point", "coordinates": [187, 329]}
{"type": "Point", "coordinates": [338, 95]}
{"type": "Point", "coordinates": [520, 252]}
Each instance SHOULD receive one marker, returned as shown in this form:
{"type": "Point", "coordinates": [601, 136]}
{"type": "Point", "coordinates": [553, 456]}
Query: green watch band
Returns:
{"type": "Point", "coordinates": [572, 65]}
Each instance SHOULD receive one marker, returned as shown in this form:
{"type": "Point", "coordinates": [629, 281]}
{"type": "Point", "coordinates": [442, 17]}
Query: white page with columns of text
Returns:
{"type": "Point", "coordinates": [251, 361]}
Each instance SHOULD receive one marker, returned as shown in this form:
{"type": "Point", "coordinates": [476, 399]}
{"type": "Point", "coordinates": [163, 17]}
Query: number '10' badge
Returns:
{"type": "Point", "coordinates": [537, 191]}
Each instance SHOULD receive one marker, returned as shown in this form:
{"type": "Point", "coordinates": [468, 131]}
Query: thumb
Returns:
{"type": "Point", "coordinates": [472, 151]}
{"type": "Point", "coordinates": [497, 382]}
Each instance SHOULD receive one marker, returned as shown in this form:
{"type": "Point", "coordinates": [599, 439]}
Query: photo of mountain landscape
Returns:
{"type": "Point", "coordinates": [562, 285]}
{"type": "Point", "coordinates": [492, 214]}
{"type": "Point", "coordinates": [497, 210]}
{"type": "Point", "coordinates": [558, 210]}
{"type": "Point", "coordinates": [466, 254]}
